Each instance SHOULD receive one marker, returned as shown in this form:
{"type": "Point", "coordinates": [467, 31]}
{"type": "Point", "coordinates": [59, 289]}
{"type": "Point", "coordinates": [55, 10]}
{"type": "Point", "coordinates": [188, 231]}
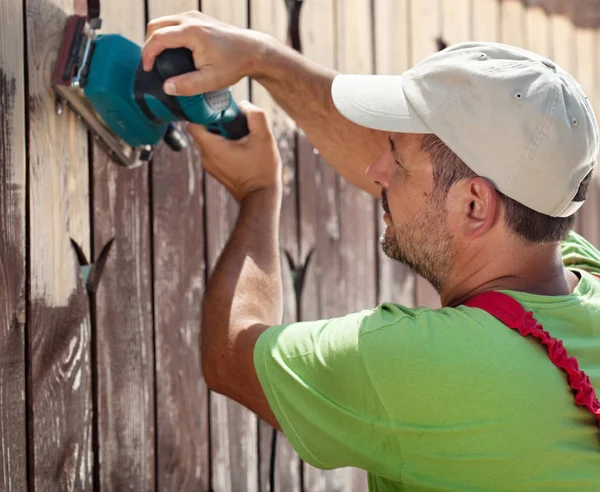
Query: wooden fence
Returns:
{"type": "Point", "coordinates": [100, 380]}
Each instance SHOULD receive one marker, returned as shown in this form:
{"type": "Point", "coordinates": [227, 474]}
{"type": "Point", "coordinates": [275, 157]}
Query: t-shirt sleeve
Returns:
{"type": "Point", "coordinates": [577, 252]}
{"type": "Point", "coordinates": [317, 386]}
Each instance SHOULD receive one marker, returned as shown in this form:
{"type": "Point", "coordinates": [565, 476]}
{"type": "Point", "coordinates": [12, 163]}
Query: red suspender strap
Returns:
{"type": "Point", "coordinates": [513, 315]}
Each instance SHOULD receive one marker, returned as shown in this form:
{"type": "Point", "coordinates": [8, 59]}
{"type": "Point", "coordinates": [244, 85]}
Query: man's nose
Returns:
{"type": "Point", "coordinates": [379, 170]}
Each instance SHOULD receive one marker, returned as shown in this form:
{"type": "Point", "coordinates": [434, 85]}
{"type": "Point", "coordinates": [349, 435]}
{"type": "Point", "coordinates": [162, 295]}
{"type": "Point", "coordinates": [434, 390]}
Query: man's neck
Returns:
{"type": "Point", "coordinates": [536, 269]}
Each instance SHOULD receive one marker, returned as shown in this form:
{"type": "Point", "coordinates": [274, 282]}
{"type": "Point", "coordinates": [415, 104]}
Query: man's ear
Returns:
{"type": "Point", "coordinates": [479, 206]}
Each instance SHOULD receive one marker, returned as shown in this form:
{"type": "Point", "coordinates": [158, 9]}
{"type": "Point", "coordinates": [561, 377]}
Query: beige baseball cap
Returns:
{"type": "Point", "coordinates": [514, 117]}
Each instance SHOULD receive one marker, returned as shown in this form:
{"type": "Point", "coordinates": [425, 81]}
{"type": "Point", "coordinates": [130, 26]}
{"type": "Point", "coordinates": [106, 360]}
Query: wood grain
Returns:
{"type": "Point", "coordinates": [58, 319]}
{"type": "Point", "coordinates": [124, 324]}
{"type": "Point", "coordinates": [13, 446]}
{"type": "Point", "coordinates": [182, 439]}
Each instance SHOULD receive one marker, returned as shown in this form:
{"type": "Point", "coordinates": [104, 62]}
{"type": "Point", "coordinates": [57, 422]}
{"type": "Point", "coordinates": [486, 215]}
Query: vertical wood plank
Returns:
{"type": "Point", "coordinates": [512, 23]}
{"type": "Point", "coordinates": [486, 20]}
{"type": "Point", "coordinates": [563, 43]}
{"type": "Point", "coordinates": [586, 42]}
{"type": "Point", "coordinates": [271, 16]}
{"type": "Point", "coordinates": [13, 445]}
{"type": "Point", "coordinates": [233, 428]}
{"type": "Point", "coordinates": [456, 24]}
{"type": "Point", "coordinates": [396, 283]}
{"type": "Point", "coordinates": [425, 18]}
{"type": "Point", "coordinates": [358, 244]}
{"type": "Point", "coordinates": [182, 438]}
{"type": "Point", "coordinates": [537, 31]}
{"type": "Point", "coordinates": [58, 318]}
{"type": "Point", "coordinates": [125, 352]}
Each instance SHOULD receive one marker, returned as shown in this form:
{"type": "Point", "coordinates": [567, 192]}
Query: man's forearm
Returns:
{"type": "Point", "coordinates": [245, 287]}
{"type": "Point", "coordinates": [303, 89]}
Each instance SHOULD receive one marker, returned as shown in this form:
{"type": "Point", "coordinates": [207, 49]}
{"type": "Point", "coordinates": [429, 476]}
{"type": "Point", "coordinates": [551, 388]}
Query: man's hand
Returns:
{"type": "Point", "coordinates": [243, 166]}
{"type": "Point", "coordinates": [223, 54]}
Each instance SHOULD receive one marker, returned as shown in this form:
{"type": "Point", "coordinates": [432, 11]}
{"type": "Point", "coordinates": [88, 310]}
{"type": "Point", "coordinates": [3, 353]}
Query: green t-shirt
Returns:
{"type": "Point", "coordinates": [443, 399]}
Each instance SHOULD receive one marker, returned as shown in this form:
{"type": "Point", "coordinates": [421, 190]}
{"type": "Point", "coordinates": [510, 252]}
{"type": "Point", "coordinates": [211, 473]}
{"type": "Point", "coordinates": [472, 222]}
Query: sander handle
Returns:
{"type": "Point", "coordinates": [177, 61]}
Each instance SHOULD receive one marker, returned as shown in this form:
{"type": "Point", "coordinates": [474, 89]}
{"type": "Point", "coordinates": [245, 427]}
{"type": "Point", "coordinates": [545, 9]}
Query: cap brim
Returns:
{"type": "Point", "coordinates": [376, 101]}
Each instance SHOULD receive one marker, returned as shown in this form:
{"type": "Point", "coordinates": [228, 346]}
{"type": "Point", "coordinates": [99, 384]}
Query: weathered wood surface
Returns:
{"type": "Point", "coordinates": [13, 434]}
{"type": "Point", "coordinates": [124, 320]}
{"type": "Point", "coordinates": [60, 397]}
{"type": "Point", "coordinates": [177, 201]}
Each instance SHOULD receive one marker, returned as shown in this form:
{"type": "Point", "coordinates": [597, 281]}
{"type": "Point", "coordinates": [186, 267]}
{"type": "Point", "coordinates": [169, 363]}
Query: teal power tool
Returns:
{"type": "Point", "coordinates": [101, 78]}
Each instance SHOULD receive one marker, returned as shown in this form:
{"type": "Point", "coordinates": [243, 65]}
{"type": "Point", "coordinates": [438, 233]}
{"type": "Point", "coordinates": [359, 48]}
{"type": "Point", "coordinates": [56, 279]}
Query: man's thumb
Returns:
{"type": "Point", "coordinates": [258, 123]}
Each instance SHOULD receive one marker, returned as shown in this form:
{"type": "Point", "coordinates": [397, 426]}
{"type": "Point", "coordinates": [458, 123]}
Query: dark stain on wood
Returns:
{"type": "Point", "coordinates": [59, 351]}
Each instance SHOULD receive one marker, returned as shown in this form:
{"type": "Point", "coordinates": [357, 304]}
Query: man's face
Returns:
{"type": "Point", "coordinates": [417, 232]}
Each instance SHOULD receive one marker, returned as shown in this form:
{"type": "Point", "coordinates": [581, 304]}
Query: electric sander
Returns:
{"type": "Point", "coordinates": [102, 79]}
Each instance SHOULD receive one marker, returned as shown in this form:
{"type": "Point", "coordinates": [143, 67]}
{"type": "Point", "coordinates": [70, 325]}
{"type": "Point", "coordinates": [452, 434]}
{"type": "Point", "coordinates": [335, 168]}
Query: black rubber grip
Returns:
{"type": "Point", "coordinates": [237, 128]}
{"type": "Point", "coordinates": [175, 61]}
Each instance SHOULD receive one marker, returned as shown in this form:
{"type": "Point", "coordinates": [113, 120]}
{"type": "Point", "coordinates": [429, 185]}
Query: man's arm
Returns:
{"type": "Point", "coordinates": [223, 54]}
{"type": "Point", "coordinates": [243, 298]}
{"type": "Point", "coordinates": [303, 89]}
{"type": "Point", "coordinates": [244, 293]}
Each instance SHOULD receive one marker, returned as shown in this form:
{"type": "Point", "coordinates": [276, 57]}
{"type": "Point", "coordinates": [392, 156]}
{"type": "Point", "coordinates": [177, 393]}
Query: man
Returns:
{"type": "Point", "coordinates": [481, 155]}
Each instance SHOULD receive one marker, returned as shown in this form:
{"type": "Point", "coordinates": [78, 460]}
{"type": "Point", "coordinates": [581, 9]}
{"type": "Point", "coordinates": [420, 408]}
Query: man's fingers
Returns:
{"type": "Point", "coordinates": [203, 137]}
{"type": "Point", "coordinates": [159, 22]}
{"type": "Point", "coordinates": [192, 83]}
{"type": "Point", "coordinates": [167, 37]}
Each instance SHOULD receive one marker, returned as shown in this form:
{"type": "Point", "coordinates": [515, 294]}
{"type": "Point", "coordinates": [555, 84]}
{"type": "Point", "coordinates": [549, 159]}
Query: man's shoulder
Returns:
{"type": "Point", "coordinates": [401, 319]}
